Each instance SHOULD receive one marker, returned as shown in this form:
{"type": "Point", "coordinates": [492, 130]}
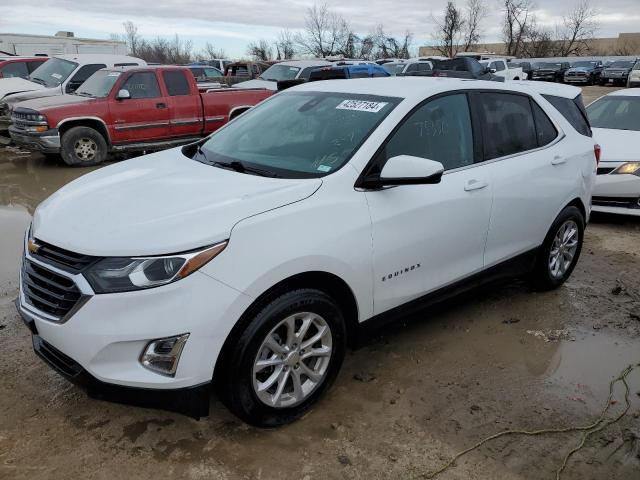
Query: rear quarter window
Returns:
{"type": "Point", "coordinates": [573, 111]}
{"type": "Point", "coordinates": [176, 83]}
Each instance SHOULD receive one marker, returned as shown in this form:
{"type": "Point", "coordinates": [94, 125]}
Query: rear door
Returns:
{"type": "Point", "coordinates": [428, 236]}
{"type": "Point", "coordinates": [185, 105]}
{"type": "Point", "coordinates": [144, 116]}
{"type": "Point", "coordinates": [531, 172]}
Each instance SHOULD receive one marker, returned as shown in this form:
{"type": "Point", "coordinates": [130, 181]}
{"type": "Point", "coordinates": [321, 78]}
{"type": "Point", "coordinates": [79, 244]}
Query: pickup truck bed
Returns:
{"type": "Point", "coordinates": [127, 109]}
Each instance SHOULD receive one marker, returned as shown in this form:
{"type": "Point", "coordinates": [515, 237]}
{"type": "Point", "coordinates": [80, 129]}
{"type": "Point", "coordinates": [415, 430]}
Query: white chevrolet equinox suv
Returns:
{"type": "Point", "coordinates": [251, 260]}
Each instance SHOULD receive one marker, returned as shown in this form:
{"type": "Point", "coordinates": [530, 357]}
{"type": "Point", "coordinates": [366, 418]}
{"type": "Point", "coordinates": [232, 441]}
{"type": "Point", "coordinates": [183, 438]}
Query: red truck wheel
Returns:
{"type": "Point", "coordinates": [83, 147]}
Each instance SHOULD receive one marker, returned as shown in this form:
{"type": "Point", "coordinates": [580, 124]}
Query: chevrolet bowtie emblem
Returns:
{"type": "Point", "coordinates": [33, 247]}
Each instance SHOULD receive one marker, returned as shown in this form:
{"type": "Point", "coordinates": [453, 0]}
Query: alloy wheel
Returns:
{"type": "Point", "coordinates": [85, 148]}
{"type": "Point", "coordinates": [292, 360]}
{"type": "Point", "coordinates": [563, 249]}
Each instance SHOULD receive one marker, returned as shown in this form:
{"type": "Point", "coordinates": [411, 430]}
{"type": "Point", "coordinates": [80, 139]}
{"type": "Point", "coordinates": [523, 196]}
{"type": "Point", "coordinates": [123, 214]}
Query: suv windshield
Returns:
{"type": "Point", "coordinates": [621, 64]}
{"type": "Point", "coordinates": [298, 134]}
{"type": "Point", "coordinates": [53, 72]}
{"type": "Point", "coordinates": [275, 73]}
{"type": "Point", "coordinates": [549, 66]}
{"type": "Point", "coordinates": [615, 112]}
{"type": "Point", "coordinates": [583, 64]}
{"type": "Point", "coordinates": [99, 84]}
{"type": "Point", "coordinates": [394, 68]}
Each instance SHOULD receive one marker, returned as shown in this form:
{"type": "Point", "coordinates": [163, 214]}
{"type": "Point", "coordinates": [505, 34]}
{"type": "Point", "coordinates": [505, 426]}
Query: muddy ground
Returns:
{"type": "Point", "coordinates": [498, 359]}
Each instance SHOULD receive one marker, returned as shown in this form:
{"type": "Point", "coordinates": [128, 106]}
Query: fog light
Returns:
{"type": "Point", "coordinates": [162, 355]}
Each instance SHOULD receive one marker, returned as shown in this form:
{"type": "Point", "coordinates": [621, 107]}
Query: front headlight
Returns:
{"type": "Point", "coordinates": [629, 168]}
{"type": "Point", "coordinates": [121, 274]}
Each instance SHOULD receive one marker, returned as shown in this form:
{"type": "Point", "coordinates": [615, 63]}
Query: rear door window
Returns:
{"type": "Point", "coordinates": [176, 83]}
{"type": "Point", "coordinates": [573, 111]}
{"type": "Point", "coordinates": [545, 130]}
{"type": "Point", "coordinates": [508, 126]}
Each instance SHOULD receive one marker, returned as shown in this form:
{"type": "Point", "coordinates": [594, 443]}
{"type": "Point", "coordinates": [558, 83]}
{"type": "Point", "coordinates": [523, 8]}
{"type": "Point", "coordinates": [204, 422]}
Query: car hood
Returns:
{"type": "Point", "coordinates": [258, 83]}
{"type": "Point", "coordinates": [33, 94]}
{"type": "Point", "coordinates": [9, 86]}
{"type": "Point", "coordinates": [158, 204]}
{"type": "Point", "coordinates": [617, 145]}
{"type": "Point", "coordinates": [52, 101]}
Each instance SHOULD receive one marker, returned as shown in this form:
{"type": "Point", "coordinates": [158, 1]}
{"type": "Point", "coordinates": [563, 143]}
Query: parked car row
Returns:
{"type": "Point", "coordinates": [587, 72]}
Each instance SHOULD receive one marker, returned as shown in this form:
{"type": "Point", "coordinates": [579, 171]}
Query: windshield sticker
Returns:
{"type": "Point", "coordinates": [324, 168]}
{"type": "Point", "coordinates": [114, 74]}
{"type": "Point", "coordinates": [361, 106]}
{"type": "Point", "coordinates": [57, 76]}
{"type": "Point", "coordinates": [293, 69]}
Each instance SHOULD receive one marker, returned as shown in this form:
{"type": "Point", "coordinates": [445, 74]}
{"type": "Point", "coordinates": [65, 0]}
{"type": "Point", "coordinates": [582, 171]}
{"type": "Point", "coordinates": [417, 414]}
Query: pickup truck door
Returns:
{"type": "Point", "coordinates": [144, 116]}
{"type": "Point", "coordinates": [185, 104]}
{"type": "Point", "coordinates": [428, 236]}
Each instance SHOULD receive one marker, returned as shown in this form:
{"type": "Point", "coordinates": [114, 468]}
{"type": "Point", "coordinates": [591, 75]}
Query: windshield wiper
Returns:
{"type": "Point", "coordinates": [38, 80]}
{"type": "Point", "coordinates": [240, 167]}
{"type": "Point", "coordinates": [85, 94]}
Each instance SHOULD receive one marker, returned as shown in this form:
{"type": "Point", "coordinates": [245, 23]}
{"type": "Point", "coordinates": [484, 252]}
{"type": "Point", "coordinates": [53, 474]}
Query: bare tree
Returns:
{"type": "Point", "coordinates": [449, 30]}
{"type": "Point", "coordinates": [538, 42]}
{"type": "Point", "coordinates": [210, 52]}
{"type": "Point", "coordinates": [285, 45]}
{"type": "Point", "coordinates": [260, 50]}
{"type": "Point", "coordinates": [132, 37]}
{"type": "Point", "coordinates": [476, 11]}
{"type": "Point", "coordinates": [387, 46]}
{"type": "Point", "coordinates": [517, 18]}
{"type": "Point", "coordinates": [577, 30]}
{"type": "Point", "coordinates": [325, 32]}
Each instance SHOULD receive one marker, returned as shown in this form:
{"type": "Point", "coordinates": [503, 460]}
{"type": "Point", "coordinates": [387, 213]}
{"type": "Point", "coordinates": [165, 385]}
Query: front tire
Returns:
{"type": "Point", "coordinates": [83, 147]}
{"type": "Point", "coordinates": [286, 358]}
{"type": "Point", "coordinates": [559, 253]}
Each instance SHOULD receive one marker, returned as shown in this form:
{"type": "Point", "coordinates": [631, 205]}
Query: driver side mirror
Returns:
{"type": "Point", "coordinates": [406, 170]}
{"type": "Point", "coordinates": [123, 94]}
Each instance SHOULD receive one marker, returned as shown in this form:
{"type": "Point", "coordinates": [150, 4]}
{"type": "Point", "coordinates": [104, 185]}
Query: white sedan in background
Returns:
{"type": "Point", "coordinates": [615, 120]}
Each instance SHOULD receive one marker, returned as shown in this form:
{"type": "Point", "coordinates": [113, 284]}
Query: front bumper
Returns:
{"type": "Point", "coordinates": [47, 142]}
{"type": "Point", "coordinates": [104, 338]}
{"type": "Point", "coordinates": [190, 401]}
{"type": "Point", "coordinates": [634, 83]}
{"type": "Point", "coordinates": [576, 79]}
{"type": "Point", "coordinates": [618, 194]}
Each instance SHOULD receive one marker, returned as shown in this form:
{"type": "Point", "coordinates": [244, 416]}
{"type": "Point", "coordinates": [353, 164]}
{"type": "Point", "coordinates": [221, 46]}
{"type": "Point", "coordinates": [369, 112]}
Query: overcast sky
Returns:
{"type": "Point", "coordinates": [231, 24]}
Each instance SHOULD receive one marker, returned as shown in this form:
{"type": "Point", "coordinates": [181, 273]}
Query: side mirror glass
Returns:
{"type": "Point", "coordinates": [123, 94]}
{"type": "Point", "coordinates": [407, 170]}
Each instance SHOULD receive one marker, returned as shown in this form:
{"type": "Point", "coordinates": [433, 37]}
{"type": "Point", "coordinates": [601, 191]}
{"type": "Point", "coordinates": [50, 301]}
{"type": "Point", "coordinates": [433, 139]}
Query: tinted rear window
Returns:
{"type": "Point", "coordinates": [176, 83]}
{"type": "Point", "coordinates": [573, 111]}
{"type": "Point", "coordinates": [507, 125]}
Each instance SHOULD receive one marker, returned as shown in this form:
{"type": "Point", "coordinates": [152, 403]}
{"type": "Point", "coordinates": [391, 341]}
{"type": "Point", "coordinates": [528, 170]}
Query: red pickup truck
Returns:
{"type": "Point", "coordinates": [126, 109]}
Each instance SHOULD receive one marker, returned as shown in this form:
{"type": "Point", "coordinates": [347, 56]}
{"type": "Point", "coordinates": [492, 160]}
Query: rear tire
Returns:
{"type": "Point", "coordinates": [275, 371]}
{"type": "Point", "coordinates": [560, 251]}
{"type": "Point", "coordinates": [83, 147]}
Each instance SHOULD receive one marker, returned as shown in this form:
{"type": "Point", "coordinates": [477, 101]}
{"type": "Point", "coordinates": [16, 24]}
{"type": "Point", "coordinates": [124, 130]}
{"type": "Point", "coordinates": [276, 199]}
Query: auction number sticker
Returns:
{"type": "Point", "coordinates": [57, 76]}
{"type": "Point", "coordinates": [361, 106]}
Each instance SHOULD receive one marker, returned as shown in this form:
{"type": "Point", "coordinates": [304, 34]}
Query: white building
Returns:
{"type": "Point", "coordinates": [58, 44]}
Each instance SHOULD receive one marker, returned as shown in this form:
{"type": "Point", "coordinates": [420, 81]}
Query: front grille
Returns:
{"type": "Point", "coordinates": [54, 357]}
{"type": "Point", "coordinates": [61, 258]}
{"type": "Point", "coordinates": [605, 170]}
{"type": "Point", "coordinates": [624, 202]}
{"type": "Point", "coordinates": [48, 291]}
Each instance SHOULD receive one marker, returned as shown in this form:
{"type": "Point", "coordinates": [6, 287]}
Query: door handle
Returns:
{"type": "Point", "coordinates": [161, 105]}
{"type": "Point", "coordinates": [558, 160]}
{"type": "Point", "coordinates": [475, 185]}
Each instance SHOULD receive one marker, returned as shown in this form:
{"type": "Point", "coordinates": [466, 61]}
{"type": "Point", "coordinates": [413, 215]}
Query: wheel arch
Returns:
{"type": "Point", "coordinates": [328, 283]}
{"type": "Point", "coordinates": [577, 202]}
{"type": "Point", "coordinates": [237, 111]}
{"type": "Point", "coordinates": [90, 122]}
